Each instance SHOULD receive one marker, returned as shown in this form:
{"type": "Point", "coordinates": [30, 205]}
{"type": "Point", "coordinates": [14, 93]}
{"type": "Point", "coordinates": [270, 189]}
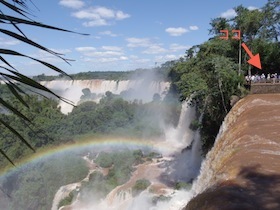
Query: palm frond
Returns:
{"type": "Point", "coordinates": [7, 157]}
{"type": "Point", "coordinates": [13, 78]}
{"type": "Point", "coordinates": [17, 20]}
{"type": "Point", "coordinates": [17, 134]}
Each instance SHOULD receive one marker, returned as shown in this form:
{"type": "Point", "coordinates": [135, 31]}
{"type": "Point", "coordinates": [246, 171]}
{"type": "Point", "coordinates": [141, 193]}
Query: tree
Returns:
{"type": "Point", "coordinates": [9, 75]}
{"type": "Point", "coordinates": [271, 21]}
{"type": "Point", "coordinates": [258, 27]}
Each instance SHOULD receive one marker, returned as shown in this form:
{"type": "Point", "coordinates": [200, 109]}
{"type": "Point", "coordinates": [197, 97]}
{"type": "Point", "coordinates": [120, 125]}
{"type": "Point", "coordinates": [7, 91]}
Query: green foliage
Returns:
{"type": "Point", "coordinates": [16, 13]}
{"type": "Point", "coordinates": [182, 185]}
{"type": "Point", "coordinates": [209, 74]}
{"type": "Point", "coordinates": [139, 186]}
{"type": "Point", "coordinates": [104, 160]}
{"type": "Point", "coordinates": [195, 124]}
{"type": "Point", "coordinates": [34, 185]}
{"type": "Point", "coordinates": [45, 117]}
{"type": "Point", "coordinates": [67, 200]}
{"type": "Point", "coordinates": [113, 116]}
{"type": "Point", "coordinates": [153, 155]}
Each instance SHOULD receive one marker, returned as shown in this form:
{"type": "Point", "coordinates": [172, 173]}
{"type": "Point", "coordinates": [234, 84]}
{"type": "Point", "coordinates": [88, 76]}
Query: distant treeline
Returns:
{"type": "Point", "coordinates": [159, 73]}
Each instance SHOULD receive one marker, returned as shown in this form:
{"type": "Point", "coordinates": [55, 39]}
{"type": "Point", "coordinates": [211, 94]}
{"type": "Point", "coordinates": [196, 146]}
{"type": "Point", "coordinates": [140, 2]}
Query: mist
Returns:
{"type": "Point", "coordinates": [144, 86]}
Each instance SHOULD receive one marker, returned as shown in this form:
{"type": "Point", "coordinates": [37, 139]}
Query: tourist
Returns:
{"type": "Point", "coordinates": [268, 77]}
{"type": "Point", "coordinates": [262, 77]}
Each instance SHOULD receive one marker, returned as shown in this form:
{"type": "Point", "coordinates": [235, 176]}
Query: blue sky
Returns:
{"type": "Point", "coordinates": [124, 35]}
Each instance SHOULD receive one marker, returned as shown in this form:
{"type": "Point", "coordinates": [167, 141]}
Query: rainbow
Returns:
{"type": "Point", "coordinates": [97, 143]}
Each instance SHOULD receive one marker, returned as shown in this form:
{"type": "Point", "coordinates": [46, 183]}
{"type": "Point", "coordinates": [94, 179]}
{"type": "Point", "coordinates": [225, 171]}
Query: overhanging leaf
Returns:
{"type": "Point", "coordinates": [14, 8]}
{"type": "Point", "coordinates": [6, 156]}
{"type": "Point", "coordinates": [13, 110]}
{"type": "Point", "coordinates": [34, 23]}
{"type": "Point", "coordinates": [12, 88]}
{"type": "Point", "coordinates": [30, 42]}
{"type": "Point", "coordinates": [32, 83]}
{"type": "Point", "coordinates": [17, 134]}
{"type": "Point", "coordinates": [6, 62]}
{"type": "Point", "coordinates": [12, 52]}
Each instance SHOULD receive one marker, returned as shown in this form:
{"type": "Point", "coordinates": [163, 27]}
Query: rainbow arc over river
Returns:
{"type": "Point", "coordinates": [101, 143]}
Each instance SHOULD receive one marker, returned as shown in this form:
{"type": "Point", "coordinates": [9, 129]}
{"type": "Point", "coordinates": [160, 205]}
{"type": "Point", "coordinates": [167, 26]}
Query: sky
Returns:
{"type": "Point", "coordinates": [123, 35]}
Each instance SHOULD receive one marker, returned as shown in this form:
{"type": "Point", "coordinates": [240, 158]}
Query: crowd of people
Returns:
{"type": "Point", "coordinates": [269, 78]}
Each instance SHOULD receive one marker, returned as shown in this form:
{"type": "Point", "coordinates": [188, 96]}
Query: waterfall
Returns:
{"type": "Point", "coordinates": [182, 136]}
{"type": "Point", "coordinates": [62, 193]}
{"type": "Point", "coordinates": [186, 164]}
{"type": "Point", "coordinates": [241, 171]}
{"type": "Point", "coordinates": [130, 89]}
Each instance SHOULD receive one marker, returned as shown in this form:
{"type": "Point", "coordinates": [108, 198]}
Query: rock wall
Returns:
{"type": "Point", "coordinates": [265, 88]}
{"type": "Point", "coordinates": [242, 171]}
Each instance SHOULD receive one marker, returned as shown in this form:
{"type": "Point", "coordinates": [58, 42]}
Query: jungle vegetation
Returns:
{"type": "Point", "coordinates": [209, 72]}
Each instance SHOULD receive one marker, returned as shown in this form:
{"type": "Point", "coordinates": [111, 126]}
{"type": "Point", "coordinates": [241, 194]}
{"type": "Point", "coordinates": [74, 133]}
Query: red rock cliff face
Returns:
{"type": "Point", "coordinates": [242, 171]}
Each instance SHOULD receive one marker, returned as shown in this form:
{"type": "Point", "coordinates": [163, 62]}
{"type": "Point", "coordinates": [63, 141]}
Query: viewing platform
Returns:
{"type": "Point", "coordinates": [264, 88]}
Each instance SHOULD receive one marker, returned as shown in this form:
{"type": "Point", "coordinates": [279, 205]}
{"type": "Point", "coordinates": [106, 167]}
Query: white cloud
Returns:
{"type": "Point", "coordinates": [104, 51]}
{"type": "Point", "coordinates": [123, 58]}
{"type": "Point", "coordinates": [193, 28]}
{"type": "Point", "coordinates": [105, 59]}
{"type": "Point", "coordinates": [176, 31]}
{"type": "Point", "coordinates": [8, 42]}
{"type": "Point", "coordinates": [120, 15]}
{"type": "Point", "coordinates": [252, 8]}
{"type": "Point", "coordinates": [47, 57]}
{"type": "Point", "coordinates": [108, 33]}
{"type": "Point", "coordinates": [74, 4]}
{"type": "Point", "coordinates": [177, 47]}
{"type": "Point", "coordinates": [97, 22]}
{"type": "Point", "coordinates": [138, 42]}
{"type": "Point", "coordinates": [230, 13]}
{"type": "Point", "coordinates": [85, 49]}
{"type": "Point", "coordinates": [165, 58]}
{"type": "Point", "coordinates": [154, 49]}
{"type": "Point", "coordinates": [111, 48]}
{"type": "Point", "coordinates": [104, 12]}
{"type": "Point", "coordinates": [100, 16]}
{"type": "Point", "coordinates": [61, 51]}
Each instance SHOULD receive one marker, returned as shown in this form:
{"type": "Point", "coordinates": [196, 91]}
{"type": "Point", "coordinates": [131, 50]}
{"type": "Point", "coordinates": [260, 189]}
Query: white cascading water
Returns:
{"type": "Point", "coordinates": [182, 136]}
{"type": "Point", "coordinates": [72, 89]}
{"type": "Point", "coordinates": [206, 171]}
{"type": "Point", "coordinates": [187, 163]}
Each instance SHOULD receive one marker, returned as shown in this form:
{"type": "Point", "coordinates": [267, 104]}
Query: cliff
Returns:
{"type": "Point", "coordinates": [242, 171]}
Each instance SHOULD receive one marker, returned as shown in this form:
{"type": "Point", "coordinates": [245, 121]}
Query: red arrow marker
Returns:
{"type": "Point", "coordinates": [254, 59]}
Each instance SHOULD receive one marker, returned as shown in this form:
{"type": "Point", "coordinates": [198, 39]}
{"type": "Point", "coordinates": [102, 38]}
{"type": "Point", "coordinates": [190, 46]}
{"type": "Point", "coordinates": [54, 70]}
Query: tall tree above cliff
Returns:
{"type": "Point", "coordinates": [253, 23]}
{"type": "Point", "coordinates": [11, 76]}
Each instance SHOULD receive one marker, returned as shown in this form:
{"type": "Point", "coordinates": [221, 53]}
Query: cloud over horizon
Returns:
{"type": "Point", "coordinates": [176, 31]}
{"type": "Point", "coordinates": [193, 28]}
{"type": "Point", "coordinates": [100, 16]}
{"type": "Point", "coordinates": [74, 4]}
{"type": "Point", "coordinates": [230, 13]}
